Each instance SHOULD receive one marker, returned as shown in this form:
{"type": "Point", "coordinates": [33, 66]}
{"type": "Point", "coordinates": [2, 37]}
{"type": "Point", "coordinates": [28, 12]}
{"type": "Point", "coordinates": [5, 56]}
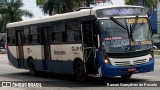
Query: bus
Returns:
{"type": "Point", "coordinates": [102, 41]}
{"type": "Point", "coordinates": [156, 41]}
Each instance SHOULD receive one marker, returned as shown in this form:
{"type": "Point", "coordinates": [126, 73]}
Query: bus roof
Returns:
{"type": "Point", "coordinates": [51, 18]}
{"type": "Point", "coordinates": [80, 13]}
{"type": "Point", "coordinates": [113, 6]}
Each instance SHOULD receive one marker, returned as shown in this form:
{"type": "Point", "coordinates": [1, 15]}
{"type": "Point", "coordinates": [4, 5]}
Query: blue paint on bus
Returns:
{"type": "Point", "coordinates": [52, 65]}
{"type": "Point", "coordinates": [13, 60]}
{"type": "Point", "coordinates": [110, 70]}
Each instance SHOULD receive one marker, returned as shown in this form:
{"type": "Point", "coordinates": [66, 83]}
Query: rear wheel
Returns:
{"type": "Point", "coordinates": [79, 70]}
{"type": "Point", "coordinates": [126, 76]}
{"type": "Point", "coordinates": [32, 68]}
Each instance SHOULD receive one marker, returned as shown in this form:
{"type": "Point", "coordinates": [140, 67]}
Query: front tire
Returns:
{"type": "Point", "coordinates": [126, 76]}
{"type": "Point", "coordinates": [79, 70]}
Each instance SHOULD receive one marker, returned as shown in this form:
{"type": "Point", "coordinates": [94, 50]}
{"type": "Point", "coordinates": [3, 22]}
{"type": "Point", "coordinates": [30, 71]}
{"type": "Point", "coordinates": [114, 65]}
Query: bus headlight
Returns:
{"type": "Point", "coordinates": [106, 59]}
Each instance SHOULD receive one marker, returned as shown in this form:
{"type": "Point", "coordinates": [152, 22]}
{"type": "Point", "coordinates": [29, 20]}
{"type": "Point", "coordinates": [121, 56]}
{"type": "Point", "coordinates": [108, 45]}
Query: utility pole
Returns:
{"type": "Point", "coordinates": [143, 3]}
{"type": "Point", "coordinates": [88, 3]}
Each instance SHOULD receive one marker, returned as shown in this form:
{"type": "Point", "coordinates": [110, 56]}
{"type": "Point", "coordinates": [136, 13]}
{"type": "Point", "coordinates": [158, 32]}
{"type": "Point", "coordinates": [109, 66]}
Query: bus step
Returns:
{"type": "Point", "coordinates": [94, 75]}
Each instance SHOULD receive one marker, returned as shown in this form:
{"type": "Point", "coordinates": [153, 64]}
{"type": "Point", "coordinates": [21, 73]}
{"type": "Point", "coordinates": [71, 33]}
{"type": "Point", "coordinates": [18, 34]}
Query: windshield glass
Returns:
{"type": "Point", "coordinates": [125, 35]}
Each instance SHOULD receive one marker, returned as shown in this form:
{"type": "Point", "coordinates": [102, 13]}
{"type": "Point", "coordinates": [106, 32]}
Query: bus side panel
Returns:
{"type": "Point", "coordinates": [63, 56]}
{"type": "Point", "coordinates": [12, 56]}
{"type": "Point", "coordinates": [34, 51]}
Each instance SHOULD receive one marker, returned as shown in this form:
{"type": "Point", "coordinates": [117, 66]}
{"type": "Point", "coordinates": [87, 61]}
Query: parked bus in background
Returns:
{"type": "Point", "coordinates": [156, 41]}
{"type": "Point", "coordinates": [101, 41]}
{"type": "Point", "coordinates": [2, 46]}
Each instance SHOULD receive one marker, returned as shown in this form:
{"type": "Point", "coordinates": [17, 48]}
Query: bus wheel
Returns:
{"type": "Point", "coordinates": [32, 68]}
{"type": "Point", "coordinates": [79, 70]}
{"type": "Point", "coordinates": [126, 76]}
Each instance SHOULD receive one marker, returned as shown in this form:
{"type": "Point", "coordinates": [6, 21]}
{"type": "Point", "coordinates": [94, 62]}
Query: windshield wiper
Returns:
{"type": "Point", "coordinates": [118, 23]}
{"type": "Point", "coordinates": [121, 25]}
{"type": "Point", "coordinates": [124, 27]}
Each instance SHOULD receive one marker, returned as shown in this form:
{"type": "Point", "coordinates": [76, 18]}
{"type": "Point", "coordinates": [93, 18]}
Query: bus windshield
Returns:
{"type": "Point", "coordinates": [125, 35]}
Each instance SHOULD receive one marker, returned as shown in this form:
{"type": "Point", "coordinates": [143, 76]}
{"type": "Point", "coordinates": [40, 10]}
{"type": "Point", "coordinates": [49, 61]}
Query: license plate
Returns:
{"type": "Point", "coordinates": [131, 69]}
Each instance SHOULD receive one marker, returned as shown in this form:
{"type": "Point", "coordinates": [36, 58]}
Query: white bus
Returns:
{"type": "Point", "coordinates": [104, 42]}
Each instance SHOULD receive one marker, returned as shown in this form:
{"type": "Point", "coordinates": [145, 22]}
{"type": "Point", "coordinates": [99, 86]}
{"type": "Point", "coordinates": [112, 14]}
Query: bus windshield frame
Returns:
{"type": "Point", "coordinates": [128, 35]}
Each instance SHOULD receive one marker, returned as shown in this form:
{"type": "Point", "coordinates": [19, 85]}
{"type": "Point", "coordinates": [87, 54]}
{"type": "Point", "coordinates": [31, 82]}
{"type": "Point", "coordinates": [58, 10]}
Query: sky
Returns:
{"type": "Point", "coordinates": [31, 6]}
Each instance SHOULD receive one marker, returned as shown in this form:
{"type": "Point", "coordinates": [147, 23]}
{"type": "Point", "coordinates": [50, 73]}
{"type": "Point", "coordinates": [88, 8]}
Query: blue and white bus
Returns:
{"type": "Point", "coordinates": [101, 41]}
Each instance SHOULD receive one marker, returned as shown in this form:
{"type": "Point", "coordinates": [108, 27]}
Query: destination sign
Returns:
{"type": "Point", "coordinates": [140, 43]}
{"type": "Point", "coordinates": [139, 20]}
{"type": "Point", "coordinates": [115, 43]}
{"type": "Point", "coordinates": [121, 11]}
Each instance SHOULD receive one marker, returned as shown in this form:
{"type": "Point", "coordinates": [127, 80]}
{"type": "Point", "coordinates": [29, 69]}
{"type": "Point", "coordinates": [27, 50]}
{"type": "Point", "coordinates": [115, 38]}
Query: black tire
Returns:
{"type": "Point", "coordinates": [79, 71]}
{"type": "Point", "coordinates": [32, 68]}
{"type": "Point", "coordinates": [126, 76]}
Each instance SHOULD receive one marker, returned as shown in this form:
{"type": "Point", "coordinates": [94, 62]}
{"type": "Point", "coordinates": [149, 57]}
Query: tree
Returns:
{"type": "Point", "coordinates": [58, 6]}
{"type": "Point", "coordinates": [2, 24]}
{"type": "Point", "coordinates": [146, 3]}
{"type": "Point", "coordinates": [62, 6]}
{"type": "Point", "coordinates": [11, 11]}
{"type": "Point", "coordinates": [40, 3]}
{"type": "Point", "coordinates": [88, 2]}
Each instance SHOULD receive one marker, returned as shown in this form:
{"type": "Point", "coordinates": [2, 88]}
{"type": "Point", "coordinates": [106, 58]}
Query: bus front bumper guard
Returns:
{"type": "Point", "coordinates": [110, 70]}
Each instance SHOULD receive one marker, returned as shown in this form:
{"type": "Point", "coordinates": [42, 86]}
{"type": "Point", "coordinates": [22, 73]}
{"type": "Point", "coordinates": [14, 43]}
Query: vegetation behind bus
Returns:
{"type": "Point", "coordinates": [10, 11]}
{"type": "Point", "coordinates": [58, 6]}
{"type": "Point", "coordinates": [52, 7]}
{"type": "Point", "coordinates": [146, 3]}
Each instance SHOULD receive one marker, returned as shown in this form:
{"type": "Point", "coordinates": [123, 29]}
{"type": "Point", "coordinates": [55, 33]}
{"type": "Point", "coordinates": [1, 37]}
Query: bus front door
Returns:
{"type": "Point", "coordinates": [89, 48]}
{"type": "Point", "coordinates": [20, 53]}
{"type": "Point", "coordinates": [45, 46]}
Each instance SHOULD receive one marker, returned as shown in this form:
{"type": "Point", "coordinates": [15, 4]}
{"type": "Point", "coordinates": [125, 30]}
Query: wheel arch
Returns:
{"type": "Point", "coordinates": [75, 60]}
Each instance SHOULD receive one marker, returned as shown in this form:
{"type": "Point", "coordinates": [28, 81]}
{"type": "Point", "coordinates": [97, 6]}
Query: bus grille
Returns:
{"type": "Point", "coordinates": [130, 63]}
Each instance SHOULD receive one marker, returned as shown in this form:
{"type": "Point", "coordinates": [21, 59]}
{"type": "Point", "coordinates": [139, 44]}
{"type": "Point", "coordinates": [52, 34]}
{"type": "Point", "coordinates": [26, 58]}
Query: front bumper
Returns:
{"type": "Point", "coordinates": [110, 70]}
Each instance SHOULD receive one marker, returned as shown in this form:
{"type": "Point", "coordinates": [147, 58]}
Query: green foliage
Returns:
{"type": "Point", "coordinates": [147, 3]}
{"type": "Point", "coordinates": [40, 3]}
{"type": "Point", "coordinates": [62, 6]}
{"type": "Point", "coordinates": [3, 52]}
{"type": "Point", "coordinates": [156, 52]}
{"type": "Point", "coordinates": [11, 11]}
{"type": "Point", "coordinates": [58, 6]}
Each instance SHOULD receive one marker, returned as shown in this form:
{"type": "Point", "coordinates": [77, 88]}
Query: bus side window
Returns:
{"type": "Point", "coordinates": [53, 37]}
{"type": "Point", "coordinates": [58, 37]}
{"type": "Point", "coordinates": [11, 36]}
{"type": "Point", "coordinates": [26, 35]}
{"type": "Point", "coordinates": [58, 32]}
{"type": "Point", "coordinates": [35, 35]}
{"type": "Point", "coordinates": [73, 31]}
{"type": "Point", "coordinates": [77, 35]}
